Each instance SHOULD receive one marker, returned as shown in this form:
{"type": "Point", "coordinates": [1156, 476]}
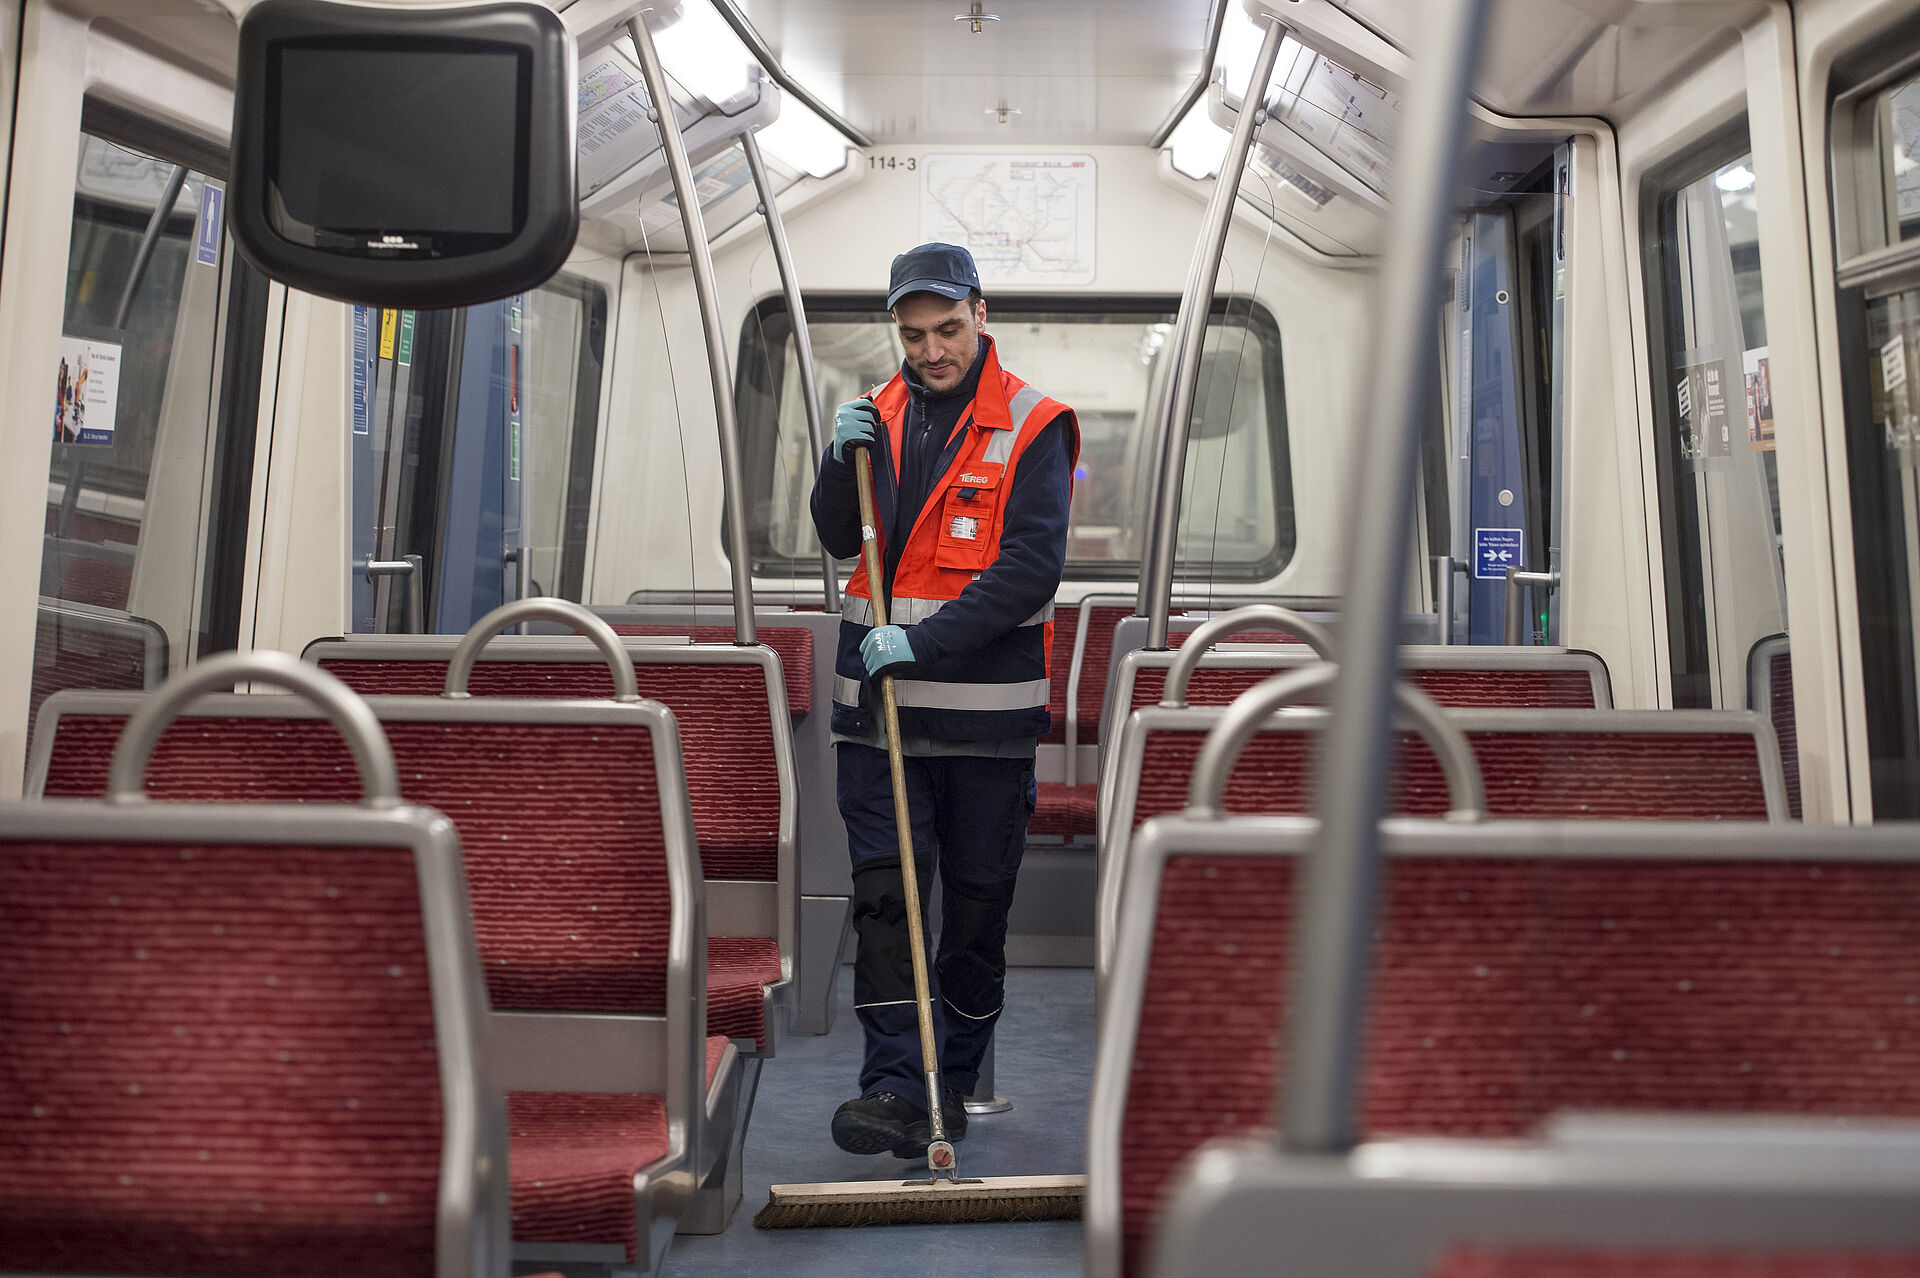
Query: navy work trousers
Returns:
{"type": "Point", "coordinates": [970, 822]}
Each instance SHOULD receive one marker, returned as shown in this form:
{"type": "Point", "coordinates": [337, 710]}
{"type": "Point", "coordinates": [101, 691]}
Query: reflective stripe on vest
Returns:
{"type": "Point", "coordinates": [926, 695]}
{"type": "Point", "coordinates": [907, 612]}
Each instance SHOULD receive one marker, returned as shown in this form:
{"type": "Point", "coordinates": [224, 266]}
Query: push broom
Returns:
{"type": "Point", "coordinates": [944, 1196]}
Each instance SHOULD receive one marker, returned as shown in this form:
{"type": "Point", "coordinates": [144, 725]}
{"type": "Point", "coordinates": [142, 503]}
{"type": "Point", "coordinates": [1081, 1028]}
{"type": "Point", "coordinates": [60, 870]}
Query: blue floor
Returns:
{"type": "Point", "coordinates": [1045, 1047]}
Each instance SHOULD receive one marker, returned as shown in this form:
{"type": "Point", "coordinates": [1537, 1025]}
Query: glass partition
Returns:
{"type": "Point", "coordinates": [1109, 363]}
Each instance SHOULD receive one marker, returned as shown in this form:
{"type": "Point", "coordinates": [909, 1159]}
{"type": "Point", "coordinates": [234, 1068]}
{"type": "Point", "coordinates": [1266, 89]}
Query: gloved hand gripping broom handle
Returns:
{"type": "Point", "coordinates": [940, 1156]}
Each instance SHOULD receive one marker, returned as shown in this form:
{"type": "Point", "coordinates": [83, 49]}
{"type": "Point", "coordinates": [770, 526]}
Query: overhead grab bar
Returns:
{"type": "Point", "coordinates": [802, 342]}
{"type": "Point", "coordinates": [1216, 18]}
{"type": "Point", "coordinates": [1333, 934]}
{"type": "Point", "coordinates": [719, 370]}
{"type": "Point", "coordinates": [1204, 636]}
{"type": "Point", "coordinates": [730, 13]}
{"type": "Point", "coordinates": [1195, 307]}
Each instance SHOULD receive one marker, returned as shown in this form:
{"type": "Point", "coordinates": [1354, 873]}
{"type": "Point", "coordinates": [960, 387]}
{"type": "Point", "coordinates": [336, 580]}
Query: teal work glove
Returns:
{"type": "Point", "coordinates": [884, 649]}
{"type": "Point", "coordinates": [854, 422]}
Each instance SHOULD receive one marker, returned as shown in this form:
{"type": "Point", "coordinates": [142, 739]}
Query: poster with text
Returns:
{"type": "Point", "coordinates": [87, 392]}
{"type": "Point", "coordinates": [1759, 400]}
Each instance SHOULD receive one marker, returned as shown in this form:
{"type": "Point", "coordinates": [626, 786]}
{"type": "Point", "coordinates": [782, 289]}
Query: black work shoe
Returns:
{"type": "Point", "coordinates": [878, 1123]}
{"type": "Point", "coordinates": [953, 1115]}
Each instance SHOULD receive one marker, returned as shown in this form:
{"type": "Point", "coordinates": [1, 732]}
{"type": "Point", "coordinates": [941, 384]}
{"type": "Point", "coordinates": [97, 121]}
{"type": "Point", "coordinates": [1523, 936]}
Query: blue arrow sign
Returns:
{"type": "Point", "coordinates": [1495, 550]}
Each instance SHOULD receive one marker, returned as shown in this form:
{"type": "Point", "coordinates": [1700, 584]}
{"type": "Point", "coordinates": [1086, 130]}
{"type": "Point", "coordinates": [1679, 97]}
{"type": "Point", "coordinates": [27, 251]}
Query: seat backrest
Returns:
{"type": "Point", "coordinates": [243, 1042]}
{"type": "Point", "coordinates": [1583, 765]}
{"type": "Point", "coordinates": [729, 703]}
{"type": "Point", "coordinates": [793, 645]}
{"type": "Point", "coordinates": [1520, 968]}
{"type": "Point", "coordinates": [571, 813]}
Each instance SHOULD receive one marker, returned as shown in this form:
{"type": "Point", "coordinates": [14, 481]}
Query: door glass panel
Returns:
{"type": "Point", "coordinates": [130, 415]}
{"type": "Point", "coordinates": [474, 455]}
{"type": "Point", "coordinates": [1110, 365]}
{"type": "Point", "coordinates": [1720, 484]}
{"type": "Point", "coordinates": [1898, 111]}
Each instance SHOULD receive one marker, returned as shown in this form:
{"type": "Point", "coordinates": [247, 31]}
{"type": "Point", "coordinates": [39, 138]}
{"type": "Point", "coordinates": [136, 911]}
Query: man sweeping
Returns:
{"type": "Point", "coordinates": [973, 476]}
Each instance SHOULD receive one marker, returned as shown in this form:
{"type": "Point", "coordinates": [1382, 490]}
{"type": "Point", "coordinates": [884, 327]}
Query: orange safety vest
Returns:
{"type": "Point", "coordinates": [954, 538]}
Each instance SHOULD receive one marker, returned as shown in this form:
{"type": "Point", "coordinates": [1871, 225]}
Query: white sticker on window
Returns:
{"type": "Point", "coordinates": [1893, 363]}
{"type": "Point", "coordinates": [964, 528]}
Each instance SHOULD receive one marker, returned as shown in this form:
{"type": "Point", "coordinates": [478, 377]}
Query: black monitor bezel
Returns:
{"type": "Point", "coordinates": [421, 267]}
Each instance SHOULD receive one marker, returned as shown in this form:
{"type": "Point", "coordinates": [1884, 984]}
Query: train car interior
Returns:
{"type": "Point", "coordinates": [1454, 808]}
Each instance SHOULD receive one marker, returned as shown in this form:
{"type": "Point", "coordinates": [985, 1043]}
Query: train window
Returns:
{"type": "Point", "coordinates": [128, 495]}
{"type": "Point", "coordinates": [1719, 481]}
{"type": "Point", "coordinates": [1877, 186]}
{"type": "Point", "coordinates": [474, 452]}
{"type": "Point", "coordinates": [1109, 361]}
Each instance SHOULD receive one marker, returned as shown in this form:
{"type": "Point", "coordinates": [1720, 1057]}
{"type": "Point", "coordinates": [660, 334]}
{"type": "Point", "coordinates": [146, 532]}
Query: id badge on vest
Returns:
{"type": "Point", "coordinates": [969, 535]}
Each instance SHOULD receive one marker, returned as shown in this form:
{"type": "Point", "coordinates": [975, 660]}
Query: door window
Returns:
{"type": "Point", "coordinates": [129, 405]}
{"type": "Point", "coordinates": [1715, 429]}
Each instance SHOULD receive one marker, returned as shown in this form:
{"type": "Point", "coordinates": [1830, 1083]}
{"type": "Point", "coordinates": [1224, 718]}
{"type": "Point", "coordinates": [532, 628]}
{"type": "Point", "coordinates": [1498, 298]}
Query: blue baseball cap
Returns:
{"type": "Point", "coordinates": [946, 269]}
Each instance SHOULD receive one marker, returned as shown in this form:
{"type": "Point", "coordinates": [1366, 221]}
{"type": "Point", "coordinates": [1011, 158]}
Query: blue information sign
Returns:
{"type": "Point", "coordinates": [1495, 550]}
{"type": "Point", "coordinates": [206, 244]}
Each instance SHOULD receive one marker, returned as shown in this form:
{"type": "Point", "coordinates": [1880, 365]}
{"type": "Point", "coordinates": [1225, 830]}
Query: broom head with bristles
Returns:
{"type": "Point", "coordinates": [847, 1203]}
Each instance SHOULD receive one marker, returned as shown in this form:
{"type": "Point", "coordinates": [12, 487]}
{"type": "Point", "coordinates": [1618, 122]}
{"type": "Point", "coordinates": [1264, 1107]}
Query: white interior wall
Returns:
{"type": "Point", "coordinates": [1145, 233]}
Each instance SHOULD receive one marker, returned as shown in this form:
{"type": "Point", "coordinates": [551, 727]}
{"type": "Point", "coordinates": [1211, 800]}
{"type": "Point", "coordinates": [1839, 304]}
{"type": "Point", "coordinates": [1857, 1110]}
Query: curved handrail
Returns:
{"type": "Point", "coordinates": [541, 608]}
{"type": "Point", "coordinates": [1251, 617]}
{"type": "Point", "coordinates": [372, 755]}
{"type": "Point", "coordinates": [1465, 787]}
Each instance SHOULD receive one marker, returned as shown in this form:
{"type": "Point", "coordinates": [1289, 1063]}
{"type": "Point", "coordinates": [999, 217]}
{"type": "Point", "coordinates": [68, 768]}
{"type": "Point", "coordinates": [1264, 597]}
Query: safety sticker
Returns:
{"type": "Point", "coordinates": [866, 532]}
{"type": "Point", "coordinates": [964, 528]}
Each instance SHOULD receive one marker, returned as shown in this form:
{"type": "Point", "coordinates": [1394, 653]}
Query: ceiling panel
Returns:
{"type": "Point", "coordinates": [1081, 70]}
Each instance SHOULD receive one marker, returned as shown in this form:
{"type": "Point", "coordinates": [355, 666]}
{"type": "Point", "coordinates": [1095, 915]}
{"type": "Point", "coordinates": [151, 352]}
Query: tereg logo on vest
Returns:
{"type": "Point", "coordinates": [975, 479]}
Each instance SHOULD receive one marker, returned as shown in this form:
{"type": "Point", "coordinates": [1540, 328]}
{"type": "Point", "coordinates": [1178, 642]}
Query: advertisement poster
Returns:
{"type": "Point", "coordinates": [1706, 432]}
{"type": "Point", "coordinates": [1759, 400]}
{"type": "Point", "coordinates": [87, 392]}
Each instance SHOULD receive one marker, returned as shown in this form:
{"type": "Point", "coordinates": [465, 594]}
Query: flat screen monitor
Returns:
{"type": "Point", "coordinates": [404, 158]}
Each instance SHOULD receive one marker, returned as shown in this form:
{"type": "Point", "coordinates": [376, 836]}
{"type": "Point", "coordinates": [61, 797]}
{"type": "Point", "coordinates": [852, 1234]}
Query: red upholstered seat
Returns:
{"type": "Point", "coordinates": [1495, 689]}
{"type": "Point", "coordinates": [732, 778]}
{"type": "Point", "coordinates": [572, 1159]}
{"type": "Point", "coordinates": [794, 644]}
{"type": "Point", "coordinates": [716, 1050]}
{"type": "Point", "coordinates": [70, 654]}
{"type": "Point", "coordinates": [1507, 989]}
{"type": "Point", "coordinates": [260, 1018]}
{"type": "Point", "coordinates": [738, 970]}
{"type": "Point", "coordinates": [1566, 1262]}
{"type": "Point", "coordinates": [1571, 775]}
{"type": "Point", "coordinates": [565, 864]}
{"type": "Point", "coordinates": [1063, 809]}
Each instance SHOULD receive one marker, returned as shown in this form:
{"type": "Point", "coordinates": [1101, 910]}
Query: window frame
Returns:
{"type": "Point", "coordinates": [1689, 659]}
{"type": "Point", "coordinates": [1871, 263]}
{"type": "Point", "coordinates": [760, 430]}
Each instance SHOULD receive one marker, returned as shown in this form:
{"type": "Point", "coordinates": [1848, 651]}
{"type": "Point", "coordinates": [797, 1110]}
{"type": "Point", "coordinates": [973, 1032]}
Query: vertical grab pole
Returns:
{"type": "Point", "coordinates": [1334, 931]}
{"type": "Point", "coordinates": [1195, 306]}
{"type": "Point", "coordinates": [802, 343]}
{"type": "Point", "coordinates": [700, 257]}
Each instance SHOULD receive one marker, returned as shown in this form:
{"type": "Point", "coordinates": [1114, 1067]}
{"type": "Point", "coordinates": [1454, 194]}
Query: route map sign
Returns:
{"type": "Point", "coordinates": [1027, 219]}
